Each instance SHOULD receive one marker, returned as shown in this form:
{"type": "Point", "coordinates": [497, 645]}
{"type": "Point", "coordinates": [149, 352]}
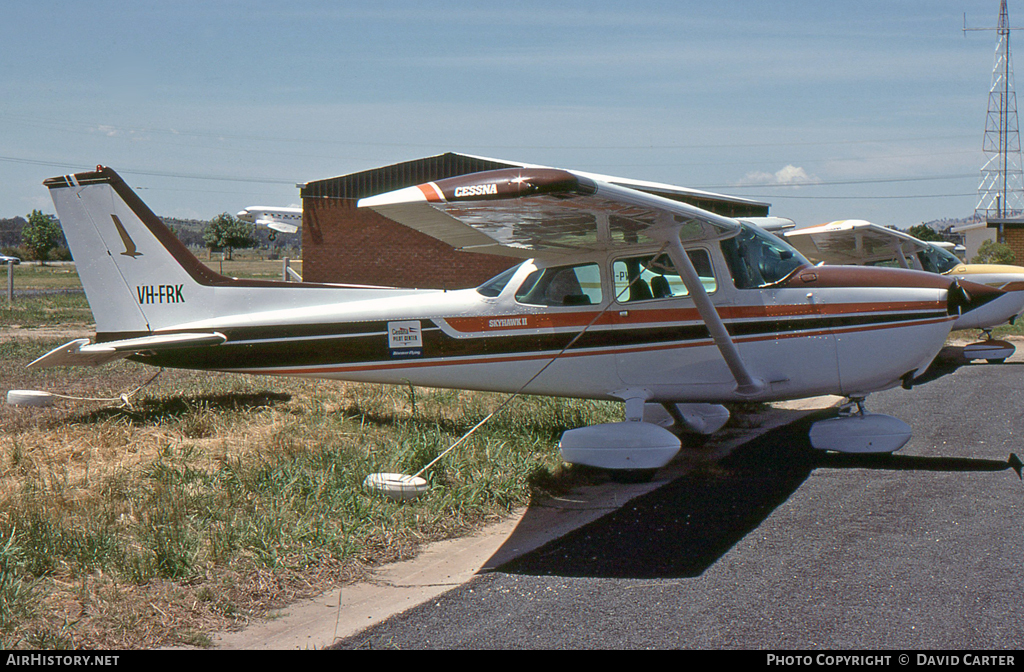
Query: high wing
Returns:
{"type": "Point", "coordinates": [853, 241]}
{"type": "Point", "coordinates": [544, 213]}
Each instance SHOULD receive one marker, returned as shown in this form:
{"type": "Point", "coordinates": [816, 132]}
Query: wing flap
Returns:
{"type": "Point", "coordinates": [80, 352]}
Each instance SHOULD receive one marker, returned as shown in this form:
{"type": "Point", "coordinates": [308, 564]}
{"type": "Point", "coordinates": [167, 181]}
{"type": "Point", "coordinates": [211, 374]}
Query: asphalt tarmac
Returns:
{"type": "Point", "coordinates": [778, 547]}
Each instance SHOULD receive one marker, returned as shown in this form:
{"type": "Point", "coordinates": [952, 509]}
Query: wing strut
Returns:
{"type": "Point", "coordinates": [746, 384]}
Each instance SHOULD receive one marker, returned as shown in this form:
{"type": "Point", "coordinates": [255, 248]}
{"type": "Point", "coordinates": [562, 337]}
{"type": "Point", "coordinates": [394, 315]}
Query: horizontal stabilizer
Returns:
{"type": "Point", "coordinates": [80, 352]}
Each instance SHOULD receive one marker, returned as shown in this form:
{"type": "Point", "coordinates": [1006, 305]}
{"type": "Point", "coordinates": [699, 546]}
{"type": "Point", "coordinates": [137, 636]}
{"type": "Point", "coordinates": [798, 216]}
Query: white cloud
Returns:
{"type": "Point", "coordinates": [790, 175]}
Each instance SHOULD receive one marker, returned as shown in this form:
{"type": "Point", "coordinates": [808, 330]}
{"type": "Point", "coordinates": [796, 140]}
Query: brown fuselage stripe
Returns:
{"type": "Point", "coordinates": [366, 343]}
{"type": "Point", "coordinates": [640, 315]}
{"type": "Point", "coordinates": [416, 364]}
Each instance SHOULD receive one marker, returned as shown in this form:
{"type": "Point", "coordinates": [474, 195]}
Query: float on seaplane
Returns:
{"type": "Point", "coordinates": [277, 219]}
{"type": "Point", "coordinates": [855, 241]}
{"type": "Point", "coordinates": [620, 295]}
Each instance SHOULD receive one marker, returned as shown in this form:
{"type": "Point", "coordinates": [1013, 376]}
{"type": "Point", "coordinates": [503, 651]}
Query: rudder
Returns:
{"type": "Point", "coordinates": [137, 276]}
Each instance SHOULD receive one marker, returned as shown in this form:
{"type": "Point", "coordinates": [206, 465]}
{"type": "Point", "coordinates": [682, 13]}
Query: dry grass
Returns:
{"type": "Point", "coordinates": [216, 498]}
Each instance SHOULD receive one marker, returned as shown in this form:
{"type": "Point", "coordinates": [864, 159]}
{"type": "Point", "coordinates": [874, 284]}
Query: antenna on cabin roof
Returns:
{"type": "Point", "coordinates": [1001, 189]}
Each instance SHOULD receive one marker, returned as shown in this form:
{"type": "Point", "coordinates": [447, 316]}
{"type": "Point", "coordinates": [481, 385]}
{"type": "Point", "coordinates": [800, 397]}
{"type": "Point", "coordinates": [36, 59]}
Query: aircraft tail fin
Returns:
{"type": "Point", "coordinates": [137, 276]}
{"type": "Point", "coordinates": [140, 279]}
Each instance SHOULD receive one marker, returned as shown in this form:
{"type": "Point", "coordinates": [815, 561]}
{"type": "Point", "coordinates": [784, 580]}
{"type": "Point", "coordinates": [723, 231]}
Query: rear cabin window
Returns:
{"type": "Point", "coordinates": [562, 286]}
{"type": "Point", "coordinates": [649, 277]}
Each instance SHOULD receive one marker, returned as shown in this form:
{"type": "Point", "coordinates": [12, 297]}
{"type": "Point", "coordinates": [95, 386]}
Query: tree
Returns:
{"type": "Point", "coordinates": [991, 252]}
{"type": "Point", "coordinates": [41, 235]}
{"type": "Point", "coordinates": [228, 233]}
{"type": "Point", "coordinates": [925, 232]}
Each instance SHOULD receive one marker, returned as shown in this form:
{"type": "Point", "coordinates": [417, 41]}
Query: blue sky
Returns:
{"type": "Point", "coordinates": [826, 109]}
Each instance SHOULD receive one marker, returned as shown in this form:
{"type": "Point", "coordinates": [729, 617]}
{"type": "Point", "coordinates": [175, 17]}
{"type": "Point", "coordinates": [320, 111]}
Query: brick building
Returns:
{"type": "Point", "coordinates": [341, 243]}
{"type": "Point", "coordinates": [1012, 234]}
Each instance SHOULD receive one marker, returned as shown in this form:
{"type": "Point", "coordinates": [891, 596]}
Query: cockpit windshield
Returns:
{"type": "Point", "coordinates": [757, 259]}
{"type": "Point", "coordinates": [493, 287]}
{"type": "Point", "coordinates": [937, 260]}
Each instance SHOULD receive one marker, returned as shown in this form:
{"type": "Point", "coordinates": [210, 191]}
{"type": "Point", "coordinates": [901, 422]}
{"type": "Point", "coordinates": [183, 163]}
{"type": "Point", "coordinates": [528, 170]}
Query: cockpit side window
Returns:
{"type": "Point", "coordinates": [562, 286]}
{"type": "Point", "coordinates": [757, 259]}
{"type": "Point", "coordinates": [649, 277]}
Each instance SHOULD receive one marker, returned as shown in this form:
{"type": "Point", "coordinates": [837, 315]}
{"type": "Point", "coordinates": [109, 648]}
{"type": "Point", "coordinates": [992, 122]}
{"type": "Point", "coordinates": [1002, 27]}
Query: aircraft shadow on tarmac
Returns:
{"type": "Point", "coordinates": [684, 527]}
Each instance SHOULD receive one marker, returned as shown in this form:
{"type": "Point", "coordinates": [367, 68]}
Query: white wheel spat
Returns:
{"type": "Point", "coordinates": [399, 487]}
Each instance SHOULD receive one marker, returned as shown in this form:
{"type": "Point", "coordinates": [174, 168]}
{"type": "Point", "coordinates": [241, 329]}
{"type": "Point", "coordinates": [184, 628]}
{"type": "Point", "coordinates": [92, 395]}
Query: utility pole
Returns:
{"type": "Point", "coordinates": [1001, 189]}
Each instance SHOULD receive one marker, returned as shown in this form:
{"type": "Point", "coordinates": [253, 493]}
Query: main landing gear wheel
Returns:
{"type": "Point", "coordinates": [630, 451]}
{"type": "Point", "coordinates": [991, 350]}
{"type": "Point", "coordinates": [856, 431]}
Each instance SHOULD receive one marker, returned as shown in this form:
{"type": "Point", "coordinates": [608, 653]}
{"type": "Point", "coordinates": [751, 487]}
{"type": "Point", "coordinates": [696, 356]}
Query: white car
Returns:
{"type": "Point", "coordinates": [4, 259]}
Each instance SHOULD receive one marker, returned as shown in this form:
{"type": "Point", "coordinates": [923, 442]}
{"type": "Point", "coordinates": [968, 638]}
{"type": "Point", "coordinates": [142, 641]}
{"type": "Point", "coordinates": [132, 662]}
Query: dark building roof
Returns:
{"type": "Point", "coordinates": [409, 173]}
{"type": "Point", "coordinates": [1005, 222]}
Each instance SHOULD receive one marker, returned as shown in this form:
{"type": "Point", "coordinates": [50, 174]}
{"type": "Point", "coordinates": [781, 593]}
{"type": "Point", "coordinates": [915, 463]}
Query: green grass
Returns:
{"type": "Point", "coordinates": [64, 276]}
{"type": "Point", "coordinates": [71, 309]}
{"type": "Point", "coordinates": [211, 483]}
{"type": "Point", "coordinates": [1009, 330]}
{"type": "Point", "coordinates": [213, 498]}
{"type": "Point", "coordinates": [36, 276]}
{"type": "Point", "coordinates": [47, 310]}
{"type": "Point", "coordinates": [248, 267]}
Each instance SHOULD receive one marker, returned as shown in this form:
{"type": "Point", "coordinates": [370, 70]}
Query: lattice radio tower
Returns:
{"type": "Point", "coordinates": [1002, 179]}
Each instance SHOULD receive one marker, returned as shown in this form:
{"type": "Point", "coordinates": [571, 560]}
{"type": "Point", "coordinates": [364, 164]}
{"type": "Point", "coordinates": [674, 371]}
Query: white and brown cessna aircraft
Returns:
{"type": "Point", "coordinates": [622, 295]}
{"type": "Point", "coordinates": [855, 241]}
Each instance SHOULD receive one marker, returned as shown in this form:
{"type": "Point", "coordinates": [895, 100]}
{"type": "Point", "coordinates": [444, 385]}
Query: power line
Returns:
{"type": "Point", "coordinates": [150, 173]}
{"type": "Point", "coordinates": [830, 183]}
{"type": "Point", "coordinates": [861, 198]}
{"type": "Point", "coordinates": [80, 127]}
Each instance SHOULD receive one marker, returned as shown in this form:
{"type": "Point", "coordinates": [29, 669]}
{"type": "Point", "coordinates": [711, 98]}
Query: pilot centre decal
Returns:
{"type": "Point", "coordinates": [477, 190]}
{"type": "Point", "coordinates": [405, 339]}
{"type": "Point", "coordinates": [160, 294]}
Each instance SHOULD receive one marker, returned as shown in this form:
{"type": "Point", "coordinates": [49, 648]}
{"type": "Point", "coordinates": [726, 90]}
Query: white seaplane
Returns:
{"type": "Point", "coordinates": [621, 295]}
{"type": "Point", "coordinates": [278, 219]}
{"type": "Point", "coordinates": [855, 241]}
